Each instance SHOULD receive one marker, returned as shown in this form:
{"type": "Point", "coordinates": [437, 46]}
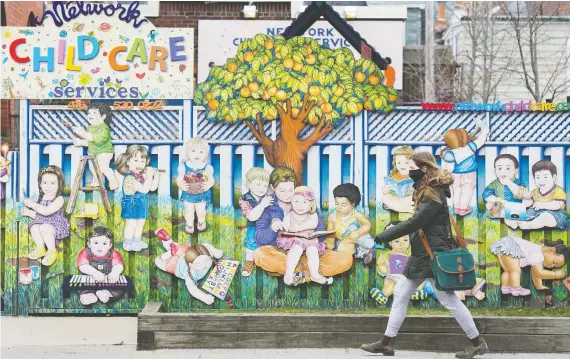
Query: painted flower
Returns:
{"type": "Point", "coordinates": [70, 77]}
{"type": "Point", "coordinates": [84, 79]}
{"type": "Point", "coordinates": [63, 83]}
{"type": "Point", "coordinates": [55, 81]}
{"type": "Point", "coordinates": [50, 94]}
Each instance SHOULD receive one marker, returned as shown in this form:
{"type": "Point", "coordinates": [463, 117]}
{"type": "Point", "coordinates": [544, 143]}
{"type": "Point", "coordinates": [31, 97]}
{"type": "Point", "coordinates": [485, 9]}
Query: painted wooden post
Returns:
{"type": "Point", "coordinates": [314, 172]}
{"type": "Point", "coordinates": [23, 170]}
{"type": "Point", "coordinates": [358, 173]}
{"type": "Point", "coordinates": [33, 170]}
{"type": "Point", "coordinates": [266, 164]}
{"type": "Point", "coordinates": [536, 236]}
{"type": "Point", "coordinates": [188, 120]}
{"type": "Point", "coordinates": [492, 233]}
{"type": "Point", "coordinates": [335, 171]}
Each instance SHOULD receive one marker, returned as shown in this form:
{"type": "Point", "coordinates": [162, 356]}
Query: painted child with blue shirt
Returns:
{"type": "Point", "coordinates": [506, 187]}
{"type": "Point", "coordinates": [459, 158]}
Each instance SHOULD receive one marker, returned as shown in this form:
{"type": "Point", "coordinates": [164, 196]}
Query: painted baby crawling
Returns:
{"type": "Point", "coordinates": [190, 263]}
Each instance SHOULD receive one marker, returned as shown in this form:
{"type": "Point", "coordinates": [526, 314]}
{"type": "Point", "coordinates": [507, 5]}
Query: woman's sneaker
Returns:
{"type": "Point", "coordinates": [520, 292]}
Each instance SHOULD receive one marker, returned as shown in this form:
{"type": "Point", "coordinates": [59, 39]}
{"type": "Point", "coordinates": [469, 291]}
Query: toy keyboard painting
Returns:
{"type": "Point", "coordinates": [87, 282]}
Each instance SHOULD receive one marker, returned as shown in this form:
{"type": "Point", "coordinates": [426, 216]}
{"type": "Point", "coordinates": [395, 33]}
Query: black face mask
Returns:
{"type": "Point", "coordinates": [417, 175]}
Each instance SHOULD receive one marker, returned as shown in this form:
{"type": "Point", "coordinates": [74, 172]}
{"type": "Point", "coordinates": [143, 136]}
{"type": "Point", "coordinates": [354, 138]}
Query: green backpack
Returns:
{"type": "Point", "coordinates": [454, 269]}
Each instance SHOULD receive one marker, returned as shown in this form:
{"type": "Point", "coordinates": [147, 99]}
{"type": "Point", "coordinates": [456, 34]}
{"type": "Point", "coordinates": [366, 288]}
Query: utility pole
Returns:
{"type": "Point", "coordinates": [429, 94]}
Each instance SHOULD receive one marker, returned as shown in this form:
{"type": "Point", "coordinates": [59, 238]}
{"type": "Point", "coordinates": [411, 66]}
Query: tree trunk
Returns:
{"type": "Point", "coordinates": [291, 155]}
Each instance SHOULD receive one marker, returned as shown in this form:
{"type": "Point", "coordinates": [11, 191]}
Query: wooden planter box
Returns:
{"type": "Point", "coordinates": [158, 330]}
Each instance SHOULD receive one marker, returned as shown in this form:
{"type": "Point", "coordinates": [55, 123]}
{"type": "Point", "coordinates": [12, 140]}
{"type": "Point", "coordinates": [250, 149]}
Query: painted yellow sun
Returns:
{"type": "Point", "coordinates": [7, 34]}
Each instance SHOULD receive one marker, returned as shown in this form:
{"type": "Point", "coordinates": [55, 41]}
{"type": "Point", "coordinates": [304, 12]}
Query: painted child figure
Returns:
{"type": "Point", "coordinates": [195, 179]}
{"type": "Point", "coordinates": [139, 180]}
{"type": "Point", "coordinates": [97, 139]}
{"type": "Point", "coordinates": [398, 190]}
{"type": "Point", "coordinates": [252, 204]}
{"type": "Point", "coordinates": [547, 202]}
{"type": "Point", "coordinates": [190, 263]}
{"type": "Point", "coordinates": [392, 269]}
{"type": "Point", "coordinates": [505, 188]}
{"type": "Point", "coordinates": [352, 229]}
{"type": "Point", "coordinates": [4, 167]}
{"type": "Point", "coordinates": [460, 159]}
{"type": "Point", "coordinates": [49, 226]}
{"type": "Point", "coordinates": [302, 219]}
{"type": "Point", "coordinates": [515, 253]}
{"type": "Point", "coordinates": [103, 263]}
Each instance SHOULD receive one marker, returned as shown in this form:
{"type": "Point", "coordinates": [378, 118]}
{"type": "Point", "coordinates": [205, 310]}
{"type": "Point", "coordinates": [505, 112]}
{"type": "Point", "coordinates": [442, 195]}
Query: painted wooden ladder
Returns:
{"type": "Point", "coordinates": [79, 179]}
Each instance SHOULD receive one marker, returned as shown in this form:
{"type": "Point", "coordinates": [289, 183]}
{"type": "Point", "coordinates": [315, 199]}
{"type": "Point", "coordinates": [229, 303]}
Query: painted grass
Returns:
{"type": "Point", "coordinates": [259, 292]}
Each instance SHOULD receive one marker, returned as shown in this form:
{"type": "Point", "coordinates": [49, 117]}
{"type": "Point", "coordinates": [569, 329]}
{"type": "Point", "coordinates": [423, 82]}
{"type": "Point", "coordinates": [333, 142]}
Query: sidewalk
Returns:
{"type": "Point", "coordinates": [129, 352]}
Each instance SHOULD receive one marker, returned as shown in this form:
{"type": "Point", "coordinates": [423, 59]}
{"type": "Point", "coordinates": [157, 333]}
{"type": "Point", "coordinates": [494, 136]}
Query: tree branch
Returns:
{"type": "Point", "coordinates": [320, 131]}
{"type": "Point", "coordinates": [259, 134]}
{"type": "Point", "coordinates": [307, 107]}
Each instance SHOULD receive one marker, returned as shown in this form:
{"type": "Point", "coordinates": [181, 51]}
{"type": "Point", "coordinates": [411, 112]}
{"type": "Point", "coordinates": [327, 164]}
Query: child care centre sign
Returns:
{"type": "Point", "coordinates": [96, 51]}
{"type": "Point", "coordinates": [218, 40]}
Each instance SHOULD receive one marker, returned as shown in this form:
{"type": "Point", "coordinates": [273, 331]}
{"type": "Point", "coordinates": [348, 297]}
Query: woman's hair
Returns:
{"type": "Point", "coordinates": [104, 110]}
{"type": "Point", "coordinates": [60, 180]}
{"type": "Point", "coordinates": [348, 191]}
{"type": "Point", "coordinates": [101, 231]}
{"type": "Point", "coordinates": [256, 174]}
{"type": "Point", "coordinates": [560, 248]}
{"type": "Point", "coordinates": [282, 174]}
{"type": "Point", "coordinates": [308, 194]}
{"type": "Point", "coordinates": [402, 151]}
{"type": "Point", "coordinates": [122, 162]}
{"type": "Point", "coordinates": [196, 143]}
{"type": "Point", "coordinates": [544, 166]}
{"type": "Point", "coordinates": [434, 177]}
{"type": "Point", "coordinates": [455, 138]}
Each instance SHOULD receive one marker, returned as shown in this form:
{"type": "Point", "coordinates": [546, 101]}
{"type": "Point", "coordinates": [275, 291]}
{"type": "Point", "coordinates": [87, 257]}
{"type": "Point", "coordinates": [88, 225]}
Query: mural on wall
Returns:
{"type": "Point", "coordinates": [506, 192]}
{"type": "Point", "coordinates": [139, 180]}
{"type": "Point", "coordinates": [459, 158]}
{"type": "Point", "coordinates": [298, 82]}
{"type": "Point", "coordinates": [4, 167]}
{"type": "Point", "coordinates": [515, 253]}
{"type": "Point", "coordinates": [546, 204]}
{"type": "Point", "coordinates": [97, 138]}
{"type": "Point", "coordinates": [252, 204]}
{"type": "Point", "coordinates": [77, 54]}
{"type": "Point", "coordinates": [102, 263]}
{"type": "Point", "coordinates": [397, 191]}
{"type": "Point", "coordinates": [196, 179]}
{"type": "Point", "coordinates": [187, 262]}
{"type": "Point", "coordinates": [48, 225]}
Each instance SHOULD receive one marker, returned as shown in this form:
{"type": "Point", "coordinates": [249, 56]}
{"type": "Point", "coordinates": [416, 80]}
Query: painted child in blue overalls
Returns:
{"type": "Point", "coordinates": [140, 179]}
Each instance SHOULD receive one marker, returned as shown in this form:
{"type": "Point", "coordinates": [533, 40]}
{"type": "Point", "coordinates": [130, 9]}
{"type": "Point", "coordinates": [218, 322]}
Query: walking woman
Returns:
{"type": "Point", "coordinates": [431, 214]}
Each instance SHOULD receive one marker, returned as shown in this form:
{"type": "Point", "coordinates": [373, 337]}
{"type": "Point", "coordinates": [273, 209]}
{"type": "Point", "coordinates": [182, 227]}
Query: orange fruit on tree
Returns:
{"type": "Point", "coordinates": [213, 104]}
{"type": "Point", "coordinates": [338, 91]}
{"type": "Point", "coordinates": [270, 118]}
{"type": "Point", "coordinates": [314, 90]}
{"type": "Point", "coordinates": [248, 56]}
{"type": "Point", "coordinates": [298, 66]}
{"type": "Point", "coordinates": [359, 107]}
{"type": "Point", "coordinates": [368, 106]}
{"type": "Point", "coordinates": [266, 96]}
{"type": "Point", "coordinates": [253, 86]}
{"type": "Point", "coordinates": [326, 107]}
{"type": "Point", "coordinates": [360, 76]}
{"type": "Point", "coordinates": [272, 91]}
{"type": "Point", "coordinates": [244, 92]}
{"type": "Point", "coordinates": [281, 95]}
{"type": "Point", "coordinates": [268, 44]}
{"type": "Point", "coordinates": [308, 48]}
{"type": "Point", "coordinates": [241, 115]}
{"type": "Point", "coordinates": [288, 63]}
{"type": "Point", "coordinates": [392, 98]}
{"type": "Point", "coordinates": [374, 79]}
{"type": "Point", "coordinates": [311, 59]}
{"type": "Point", "coordinates": [232, 67]}
{"type": "Point", "coordinates": [295, 112]}
{"type": "Point", "coordinates": [313, 120]}
{"type": "Point", "coordinates": [228, 118]}
{"type": "Point", "coordinates": [208, 96]}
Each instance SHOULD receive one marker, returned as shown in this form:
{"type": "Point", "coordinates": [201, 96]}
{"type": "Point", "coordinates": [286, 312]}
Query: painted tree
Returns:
{"type": "Point", "coordinates": [297, 82]}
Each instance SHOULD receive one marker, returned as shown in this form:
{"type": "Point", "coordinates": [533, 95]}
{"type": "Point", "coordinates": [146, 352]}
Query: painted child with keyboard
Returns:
{"type": "Point", "coordinates": [103, 263]}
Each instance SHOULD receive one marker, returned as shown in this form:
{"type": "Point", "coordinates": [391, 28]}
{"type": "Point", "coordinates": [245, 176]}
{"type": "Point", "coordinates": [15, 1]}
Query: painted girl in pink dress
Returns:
{"type": "Point", "coordinates": [303, 219]}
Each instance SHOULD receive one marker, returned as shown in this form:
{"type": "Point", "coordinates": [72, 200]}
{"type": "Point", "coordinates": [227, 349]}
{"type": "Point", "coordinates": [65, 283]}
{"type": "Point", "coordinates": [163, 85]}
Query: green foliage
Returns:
{"type": "Point", "coordinates": [269, 70]}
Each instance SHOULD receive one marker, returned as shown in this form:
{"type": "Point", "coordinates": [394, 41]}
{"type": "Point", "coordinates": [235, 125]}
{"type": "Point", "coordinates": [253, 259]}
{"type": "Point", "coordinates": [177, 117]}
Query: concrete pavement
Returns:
{"type": "Point", "coordinates": [129, 352]}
